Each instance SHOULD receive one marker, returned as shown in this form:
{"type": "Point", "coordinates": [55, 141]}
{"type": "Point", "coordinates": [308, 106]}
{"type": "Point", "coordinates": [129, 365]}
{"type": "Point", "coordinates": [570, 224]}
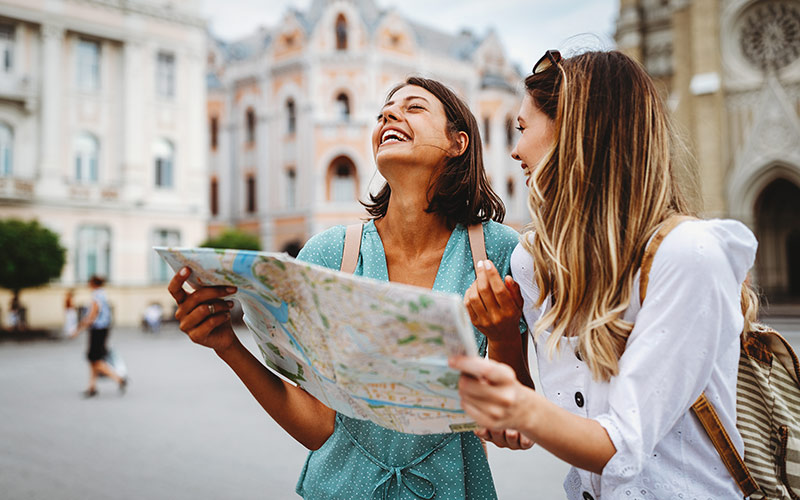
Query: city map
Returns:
{"type": "Point", "coordinates": [368, 349]}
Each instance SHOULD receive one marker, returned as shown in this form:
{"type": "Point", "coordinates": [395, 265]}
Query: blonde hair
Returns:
{"type": "Point", "coordinates": [597, 197]}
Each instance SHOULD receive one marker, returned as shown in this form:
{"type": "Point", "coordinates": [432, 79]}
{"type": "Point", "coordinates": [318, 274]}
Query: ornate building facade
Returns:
{"type": "Point", "coordinates": [291, 109]}
{"type": "Point", "coordinates": [102, 139]}
{"type": "Point", "coordinates": [730, 70]}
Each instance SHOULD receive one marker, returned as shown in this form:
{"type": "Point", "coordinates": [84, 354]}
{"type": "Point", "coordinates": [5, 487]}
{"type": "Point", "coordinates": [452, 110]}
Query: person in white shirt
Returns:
{"type": "Point", "coordinates": [618, 377]}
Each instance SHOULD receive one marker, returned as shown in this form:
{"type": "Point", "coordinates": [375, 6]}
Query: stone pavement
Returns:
{"type": "Point", "coordinates": [186, 429]}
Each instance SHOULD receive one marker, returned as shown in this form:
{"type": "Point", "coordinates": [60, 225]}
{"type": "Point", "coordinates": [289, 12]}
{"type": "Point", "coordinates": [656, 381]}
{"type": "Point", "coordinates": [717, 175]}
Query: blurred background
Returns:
{"type": "Point", "coordinates": [126, 124]}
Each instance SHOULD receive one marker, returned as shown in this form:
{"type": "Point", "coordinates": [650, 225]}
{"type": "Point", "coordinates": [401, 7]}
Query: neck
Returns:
{"type": "Point", "coordinates": [408, 227]}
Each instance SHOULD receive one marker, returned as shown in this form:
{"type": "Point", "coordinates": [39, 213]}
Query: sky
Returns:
{"type": "Point", "coordinates": [526, 27]}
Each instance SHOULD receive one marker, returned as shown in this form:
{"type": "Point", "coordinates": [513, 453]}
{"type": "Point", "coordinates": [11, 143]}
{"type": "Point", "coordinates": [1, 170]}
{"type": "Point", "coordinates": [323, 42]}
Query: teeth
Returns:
{"type": "Point", "coordinates": [395, 135]}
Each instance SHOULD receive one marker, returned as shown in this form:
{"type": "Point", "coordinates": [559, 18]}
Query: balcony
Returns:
{"type": "Point", "coordinates": [15, 189]}
{"type": "Point", "coordinates": [19, 89]}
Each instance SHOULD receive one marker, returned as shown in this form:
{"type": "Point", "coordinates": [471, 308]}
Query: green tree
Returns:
{"type": "Point", "coordinates": [30, 255]}
{"type": "Point", "coordinates": [233, 238]}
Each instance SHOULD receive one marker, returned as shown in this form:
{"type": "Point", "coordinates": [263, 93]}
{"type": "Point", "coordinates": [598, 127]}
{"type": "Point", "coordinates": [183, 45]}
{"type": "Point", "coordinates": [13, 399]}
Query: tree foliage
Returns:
{"type": "Point", "coordinates": [234, 238]}
{"type": "Point", "coordinates": [31, 255]}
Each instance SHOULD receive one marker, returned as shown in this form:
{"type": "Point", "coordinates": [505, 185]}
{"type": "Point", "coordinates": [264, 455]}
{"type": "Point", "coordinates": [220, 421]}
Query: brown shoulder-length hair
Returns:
{"type": "Point", "coordinates": [611, 177]}
{"type": "Point", "coordinates": [460, 193]}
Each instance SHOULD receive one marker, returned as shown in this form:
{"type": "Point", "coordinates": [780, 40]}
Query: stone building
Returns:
{"type": "Point", "coordinates": [102, 139]}
{"type": "Point", "coordinates": [730, 70]}
{"type": "Point", "coordinates": [291, 109]}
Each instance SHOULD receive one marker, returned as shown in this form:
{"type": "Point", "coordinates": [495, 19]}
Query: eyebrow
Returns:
{"type": "Point", "coordinates": [389, 103]}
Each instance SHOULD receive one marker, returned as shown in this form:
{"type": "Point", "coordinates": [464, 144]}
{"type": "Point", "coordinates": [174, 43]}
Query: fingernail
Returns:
{"type": "Point", "coordinates": [184, 271]}
{"type": "Point", "coordinates": [230, 289]}
{"type": "Point", "coordinates": [480, 264]}
{"type": "Point", "coordinates": [488, 264]}
{"type": "Point", "coordinates": [229, 303]}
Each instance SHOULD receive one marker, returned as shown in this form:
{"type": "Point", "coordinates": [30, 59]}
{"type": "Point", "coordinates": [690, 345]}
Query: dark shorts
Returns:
{"type": "Point", "coordinates": [97, 344]}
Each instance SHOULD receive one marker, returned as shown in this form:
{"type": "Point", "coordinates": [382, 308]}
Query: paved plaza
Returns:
{"type": "Point", "coordinates": [186, 429]}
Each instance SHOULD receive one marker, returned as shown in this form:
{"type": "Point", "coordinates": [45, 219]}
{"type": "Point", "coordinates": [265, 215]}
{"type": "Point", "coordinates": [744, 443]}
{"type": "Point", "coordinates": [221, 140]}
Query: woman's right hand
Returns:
{"type": "Point", "coordinates": [494, 304]}
{"type": "Point", "coordinates": [203, 314]}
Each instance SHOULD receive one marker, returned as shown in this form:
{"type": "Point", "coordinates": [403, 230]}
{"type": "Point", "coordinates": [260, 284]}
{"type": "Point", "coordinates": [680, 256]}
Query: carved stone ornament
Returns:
{"type": "Point", "coordinates": [770, 34]}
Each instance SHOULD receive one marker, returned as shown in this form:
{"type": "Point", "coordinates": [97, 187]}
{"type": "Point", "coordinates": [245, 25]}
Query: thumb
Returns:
{"type": "Point", "coordinates": [513, 287]}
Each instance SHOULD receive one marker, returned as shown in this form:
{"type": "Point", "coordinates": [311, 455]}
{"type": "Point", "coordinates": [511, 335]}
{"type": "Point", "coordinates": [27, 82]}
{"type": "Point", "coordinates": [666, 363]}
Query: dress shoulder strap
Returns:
{"type": "Point", "coordinates": [477, 243]}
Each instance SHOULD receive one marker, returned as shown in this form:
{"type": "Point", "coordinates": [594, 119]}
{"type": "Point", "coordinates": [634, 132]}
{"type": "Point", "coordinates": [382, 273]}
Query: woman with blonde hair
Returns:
{"type": "Point", "coordinates": [619, 369]}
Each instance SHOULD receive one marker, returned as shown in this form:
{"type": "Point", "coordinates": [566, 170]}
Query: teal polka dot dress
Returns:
{"type": "Point", "coordinates": [362, 460]}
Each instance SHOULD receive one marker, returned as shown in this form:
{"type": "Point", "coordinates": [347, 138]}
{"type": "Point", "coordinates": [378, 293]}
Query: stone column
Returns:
{"type": "Point", "coordinates": [52, 162]}
{"type": "Point", "coordinates": [135, 152]}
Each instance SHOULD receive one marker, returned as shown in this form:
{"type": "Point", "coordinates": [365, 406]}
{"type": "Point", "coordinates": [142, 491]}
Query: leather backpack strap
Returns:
{"type": "Point", "coordinates": [477, 244]}
{"type": "Point", "coordinates": [702, 408]}
{"type": "Point", "coordinates": [352, 247]}
{"type": "Point", "coordinates": [709, 419]}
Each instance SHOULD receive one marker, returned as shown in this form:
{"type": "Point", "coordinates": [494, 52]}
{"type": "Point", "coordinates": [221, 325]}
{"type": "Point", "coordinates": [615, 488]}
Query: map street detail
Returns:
{"type": "Point", "coordinates": [368, 349]}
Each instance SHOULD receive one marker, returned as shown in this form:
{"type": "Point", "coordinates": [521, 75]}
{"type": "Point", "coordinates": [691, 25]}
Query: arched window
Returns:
{"type": "Point", "coordinates": [342, 180]}
{"type": "Point", "coordinates": [343, 107]}
{"type": "Point", "coordinates": [777, 225]}
{"type": "Point", "coordinates": [509, 132]}
{"type": "Point", "coordinates": [6, 150]}
{"type": "Point", "coordinates": [250, 120]}
{"type": "Point", "coordinates": [341, 33]}
{"type": "Point", "coordinates": [86, 158]}
{"type": "Point", "coordinates": [291, 117]}
{"type": "Point", "coordinates": [164, 159]}
{"type": "Point", "coordinates": [213, 132]}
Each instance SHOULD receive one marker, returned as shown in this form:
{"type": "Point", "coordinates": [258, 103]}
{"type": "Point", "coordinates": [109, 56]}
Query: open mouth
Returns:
{"type": "Point", "coordinates": [393, 135]}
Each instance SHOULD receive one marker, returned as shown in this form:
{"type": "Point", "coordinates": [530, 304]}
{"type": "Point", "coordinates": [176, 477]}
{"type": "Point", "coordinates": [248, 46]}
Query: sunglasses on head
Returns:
{"type": "Point", "coordinates": [550, 58]}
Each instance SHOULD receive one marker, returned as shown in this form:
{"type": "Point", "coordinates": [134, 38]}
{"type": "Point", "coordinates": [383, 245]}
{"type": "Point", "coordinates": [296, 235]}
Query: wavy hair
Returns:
{"type": "Point", "coordinates": [595, 200]}
{"type": "Point", "coordinates": [460, 193]}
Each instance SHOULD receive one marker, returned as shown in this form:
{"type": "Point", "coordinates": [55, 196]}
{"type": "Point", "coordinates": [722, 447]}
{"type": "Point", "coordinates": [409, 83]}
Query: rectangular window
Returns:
{"type": "Point", "coordinates": [161, 272]}
{"type": "Point", "coordinates": [214, 192]}
{"type": "Point", "coordinates": [165, 75]}
{"type": "Point", "coordinates": [93, 252]}
{"type": "Point", "coordinates": [291, 188]}
{"type": "Point", "coordinates": [251, 194]}
{"type": "Point", "coordinates": [214, 131]}
{"type": "Point", "coordinates": [164, 172]}
{"type": "Point", "coordinates": [7, 39]}
{"type": "Point", "coordinates": [88, 65]}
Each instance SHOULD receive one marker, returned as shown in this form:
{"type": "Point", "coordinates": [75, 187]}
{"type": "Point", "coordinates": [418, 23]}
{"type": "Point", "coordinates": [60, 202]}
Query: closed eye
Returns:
{"type": "Point", "coordinates": [519, 128]}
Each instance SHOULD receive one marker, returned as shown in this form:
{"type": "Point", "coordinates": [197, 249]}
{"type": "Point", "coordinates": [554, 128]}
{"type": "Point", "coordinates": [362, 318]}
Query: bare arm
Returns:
{"type": "Point", "coordinates": [205, 316]}
{"type": "Point", "coordinates": [491, 394]}
{"type": "Point", "coordinates": [94, 310]}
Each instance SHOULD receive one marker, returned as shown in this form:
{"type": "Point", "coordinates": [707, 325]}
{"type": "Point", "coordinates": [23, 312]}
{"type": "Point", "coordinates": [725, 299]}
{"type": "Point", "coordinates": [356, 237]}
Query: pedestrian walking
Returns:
{"type": "Point", "coordinates": [70, 314]}
{"type": "Point", "coordinates": [98, 322]}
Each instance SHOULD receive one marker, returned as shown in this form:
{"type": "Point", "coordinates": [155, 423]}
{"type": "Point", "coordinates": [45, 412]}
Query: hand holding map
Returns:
{"type": "Point", "coordinates": [368, 349]}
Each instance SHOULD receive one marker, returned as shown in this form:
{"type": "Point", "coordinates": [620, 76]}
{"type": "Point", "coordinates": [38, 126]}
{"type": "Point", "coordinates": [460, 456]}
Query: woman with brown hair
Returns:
{"type": "Point", "coordinates": [427, 146]}
{"type": "Point", "coordinates": [619, 369]}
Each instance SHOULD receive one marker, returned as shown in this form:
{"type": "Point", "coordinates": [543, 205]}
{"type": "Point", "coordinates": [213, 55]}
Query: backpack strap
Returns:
{"type": "Point", "coordinates": [352, 247]}
{"type": "Point", "coordinates": [477, 243]}
{"type": "Point", "coordinates": [702, 408]}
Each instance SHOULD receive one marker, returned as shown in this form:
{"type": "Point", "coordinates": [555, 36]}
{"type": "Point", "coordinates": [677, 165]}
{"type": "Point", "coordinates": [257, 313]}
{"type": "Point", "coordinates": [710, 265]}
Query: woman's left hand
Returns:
{"type": "Point", "coordinates": [492, 395]}
{"type": "Point", "coordinates": [494, 304]}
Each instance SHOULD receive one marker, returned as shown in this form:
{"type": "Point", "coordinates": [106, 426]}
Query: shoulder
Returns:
{"type": "Point", "coordinates": [325, 248]}
{"type": "Point", "coordinates": [500, 240]}
{"type": "Point", "coordinates": [703, 247]}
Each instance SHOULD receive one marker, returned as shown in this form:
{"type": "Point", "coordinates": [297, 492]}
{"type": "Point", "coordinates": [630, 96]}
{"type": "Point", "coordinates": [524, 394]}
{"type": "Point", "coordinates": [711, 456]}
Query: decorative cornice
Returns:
{"type": "Point", "coordinates": [151, 10]}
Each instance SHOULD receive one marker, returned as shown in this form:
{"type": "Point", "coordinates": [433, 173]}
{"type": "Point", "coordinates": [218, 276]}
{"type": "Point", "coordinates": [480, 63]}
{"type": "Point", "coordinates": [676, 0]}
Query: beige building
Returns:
{"type": "Point", "coordinates": [730, 70]}
{"type": "Point", "coordinates": [291, 109]}
{"type": "Point", "coordinates": [102, 139]}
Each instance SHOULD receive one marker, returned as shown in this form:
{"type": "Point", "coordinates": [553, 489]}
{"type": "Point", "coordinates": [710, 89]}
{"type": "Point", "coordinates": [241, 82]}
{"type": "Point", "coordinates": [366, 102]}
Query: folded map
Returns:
{"type": "Point", "coordinates": [368, 349]}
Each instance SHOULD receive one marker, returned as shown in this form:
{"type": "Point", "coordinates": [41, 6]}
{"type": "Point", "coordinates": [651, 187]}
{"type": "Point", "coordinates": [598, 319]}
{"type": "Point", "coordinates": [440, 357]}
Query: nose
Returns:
{"type": "Point", "coordinates": [515, 155]}
{"type": "Point", "coordinates": [389, 113]}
